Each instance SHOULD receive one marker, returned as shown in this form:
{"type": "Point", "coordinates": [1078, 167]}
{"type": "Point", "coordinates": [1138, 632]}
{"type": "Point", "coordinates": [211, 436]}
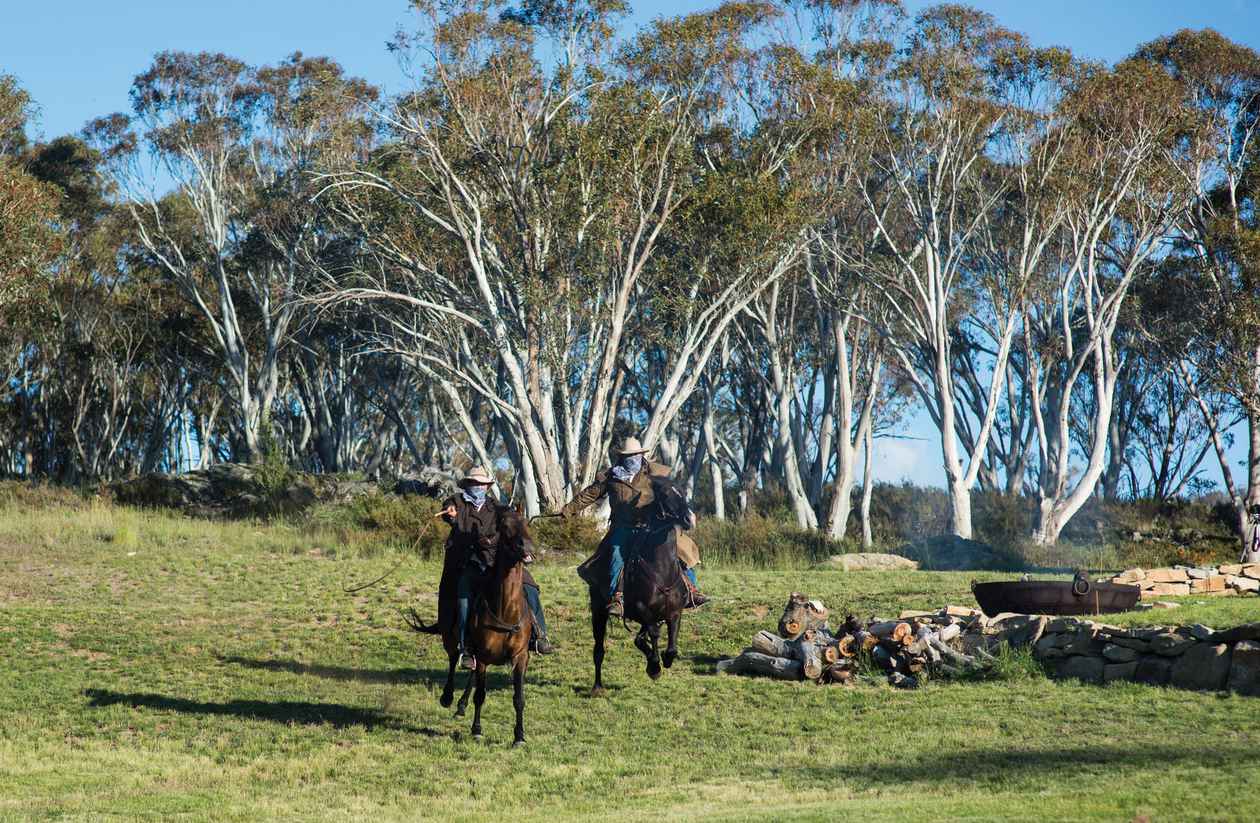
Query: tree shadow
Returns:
{"type": "Point", "coordinates": [705, 663]}
{"type": "Point", "coordinates": [496, 678]}
{"type": "Point", "coordinates": [288, 712]}
{"type": "Point", "coordinates": [1012, 763]}
{"type": "Point", "coordinates": [405, 675]}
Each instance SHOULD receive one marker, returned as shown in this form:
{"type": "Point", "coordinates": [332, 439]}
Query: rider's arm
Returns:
{"type": "Point", "coordinates": [448, 511]}
{"type": "Point", "coordinates": [586, 497]}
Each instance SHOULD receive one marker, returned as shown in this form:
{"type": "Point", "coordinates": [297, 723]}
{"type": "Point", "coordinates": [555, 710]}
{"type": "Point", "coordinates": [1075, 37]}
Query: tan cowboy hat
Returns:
{"type": "Point", "coordinates": [630, 445]}
{"type": "Point", "coordinates": [477, 476]}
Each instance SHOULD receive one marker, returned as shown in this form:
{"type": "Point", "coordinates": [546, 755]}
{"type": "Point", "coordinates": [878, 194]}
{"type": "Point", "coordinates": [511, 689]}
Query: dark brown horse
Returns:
{"type": "Point", "coordinates": [499, 625]}
{"type": "Point", "coordinates": [653, 588]}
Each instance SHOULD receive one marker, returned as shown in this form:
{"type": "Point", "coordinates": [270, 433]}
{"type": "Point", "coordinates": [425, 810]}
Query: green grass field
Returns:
{"type": "Point", "coordinates": [157, 667]}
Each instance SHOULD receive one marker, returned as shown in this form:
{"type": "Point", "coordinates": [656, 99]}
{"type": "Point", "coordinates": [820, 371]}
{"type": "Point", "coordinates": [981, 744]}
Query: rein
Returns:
{"type": "Point", "coordinates": [401, 560]}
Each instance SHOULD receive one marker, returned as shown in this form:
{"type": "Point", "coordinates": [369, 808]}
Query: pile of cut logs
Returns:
{"type": "Point", "coordinates": [907, 650]}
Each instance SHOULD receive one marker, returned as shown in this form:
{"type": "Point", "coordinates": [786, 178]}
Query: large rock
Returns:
{"type": "Point", "coordinates": [428, 482]}
{"type": "Point", "coordinates": [1244, 668]}
{"type": "Point", "coordinates": [952, 553]}
{"type": "Point", "coordinates": [1081, 667]}
{"type": "Point", "coordinates": [1167, 575]}
{"type": "Point", "coordinates": [1153, 671]}
{"type": "Point", "coordinates": [1204, 667]}
{"type": "Point", "coordinates": [1026, 633]}
{"type": "Point", "coordinates": [1119, 671]}
{"type": "Point", "coordinates": [238, 489]}
{"type": "Point", "coordinates": [1119, 654]}
{"type": "Point", "coordinates": [870, 561]}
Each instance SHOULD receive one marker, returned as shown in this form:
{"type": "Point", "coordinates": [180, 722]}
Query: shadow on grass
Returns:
{"type": "Point", "coordinates": [343, 673]}
{"type": "Point", "coordinates": [497, 677]}
{"type": "Point", "coordinates": [1006, 764]}
{"type": "Point", "coordinates": [288, 712]}
{"type": "Point", "coordinates": [706, 663]}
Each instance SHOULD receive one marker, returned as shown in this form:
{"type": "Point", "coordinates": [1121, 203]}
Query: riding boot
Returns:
{"type": "Point", "coordinates": [695, 599]}
{"type": "Point", "coordinates": [464, 594]}
{"type": "Point", "coordinates": [615, 606]}
{"type": "Point", "coordinates": [538, 642]}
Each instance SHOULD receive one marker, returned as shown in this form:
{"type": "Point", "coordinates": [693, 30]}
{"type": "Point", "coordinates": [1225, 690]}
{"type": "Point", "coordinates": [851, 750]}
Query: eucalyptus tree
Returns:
{"type": "Point", "coordinates": [1122, 200]}
{"type": "Point", "coordinates": [237, 232]}
{"type": "Point", "coordinates": [1218, 81]}
{"type": "Point", "coordinates": [543, 191]}
{"type": "Point", "coordinates": [954, 183]}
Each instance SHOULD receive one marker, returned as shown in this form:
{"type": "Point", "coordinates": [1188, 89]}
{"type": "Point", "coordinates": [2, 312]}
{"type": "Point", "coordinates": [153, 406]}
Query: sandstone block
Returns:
{"type": "Point", "coordinates": [1215, 583]}
{"type": "Point", "coordinates": [1242, 584]}
{"type": "Point", "coordinates": [1166, 590]}
{"type": "Point", "coordinates": [1231, 568]}
{"type": "Point", "coordinates": [1168, 575]}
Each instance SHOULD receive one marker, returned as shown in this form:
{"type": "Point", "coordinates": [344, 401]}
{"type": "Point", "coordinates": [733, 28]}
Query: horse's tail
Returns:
{"type": "Point", "coordinates": [414, 621]}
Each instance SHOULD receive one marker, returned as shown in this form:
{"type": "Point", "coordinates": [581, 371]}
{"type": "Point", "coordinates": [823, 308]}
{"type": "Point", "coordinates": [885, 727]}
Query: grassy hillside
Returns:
{"type": "Point", "coordinates": [157, 666]}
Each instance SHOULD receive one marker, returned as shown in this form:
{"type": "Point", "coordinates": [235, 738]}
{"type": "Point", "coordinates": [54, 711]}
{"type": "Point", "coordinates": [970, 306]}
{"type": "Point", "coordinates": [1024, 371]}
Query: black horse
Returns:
{"type": "Point", "coordinates": [654, 591]}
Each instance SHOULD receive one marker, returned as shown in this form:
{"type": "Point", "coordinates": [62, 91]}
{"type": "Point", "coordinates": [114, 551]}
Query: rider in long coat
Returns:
{"type": "Point", "coordinates": [628, 486]}
{"type": "Point", "coordinates": [470, 553]}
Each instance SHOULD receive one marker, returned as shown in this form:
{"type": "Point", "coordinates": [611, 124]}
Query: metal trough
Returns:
{"type": "Point", "coordinates": [1080, 596]}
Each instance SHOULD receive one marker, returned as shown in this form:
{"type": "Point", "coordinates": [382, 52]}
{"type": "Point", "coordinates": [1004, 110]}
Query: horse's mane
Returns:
{"type": "Point", "coordinates": [671, 504]}
{"type": "Point", "coordinates": [512, 525]}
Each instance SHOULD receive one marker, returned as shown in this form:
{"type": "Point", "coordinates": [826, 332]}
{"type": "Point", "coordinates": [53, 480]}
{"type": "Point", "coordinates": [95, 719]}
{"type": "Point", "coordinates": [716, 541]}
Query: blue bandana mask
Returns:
{"type": "Point", "coordinates": [628, 467]}
{"type": "Point", "coordinates": [475, 495]}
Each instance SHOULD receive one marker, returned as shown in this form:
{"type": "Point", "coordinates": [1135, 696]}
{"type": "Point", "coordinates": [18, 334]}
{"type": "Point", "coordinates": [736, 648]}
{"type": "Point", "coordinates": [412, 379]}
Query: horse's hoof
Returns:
{"type": "Point", "coordinates": [476, 735]}
{"type": "Point", "coordinates": [519, 744]}
{"type": "Point", "coordinates": [459, 711]}
{"type": "Point", "coordinates": [446, 700]}
{"type": "Point", "coordinates": [654, 671]}
{"type": "Point", "coordinates": [668, 659]}
{"type": "Point", "coordinates": [598, 691]}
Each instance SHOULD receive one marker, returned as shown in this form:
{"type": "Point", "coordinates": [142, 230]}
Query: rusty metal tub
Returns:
{"type": "Point", "coordinates": [1078, 596]}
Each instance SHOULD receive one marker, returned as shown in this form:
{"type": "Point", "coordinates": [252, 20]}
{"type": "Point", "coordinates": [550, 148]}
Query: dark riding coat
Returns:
{"type": "Point", "coordinates": [474, 538]}
{"type": "Point", "coordinates": [632, 504]}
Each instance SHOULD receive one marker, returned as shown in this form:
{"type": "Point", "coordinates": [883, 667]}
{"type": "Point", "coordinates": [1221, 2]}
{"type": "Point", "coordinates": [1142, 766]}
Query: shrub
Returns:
{"type": "Point", "coordinates": [372, 521]}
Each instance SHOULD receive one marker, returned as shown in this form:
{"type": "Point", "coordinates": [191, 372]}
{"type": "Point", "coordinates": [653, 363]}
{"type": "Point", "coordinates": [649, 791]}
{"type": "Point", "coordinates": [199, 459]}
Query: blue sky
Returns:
{"type": "Point", "coordinates": [77, 59]}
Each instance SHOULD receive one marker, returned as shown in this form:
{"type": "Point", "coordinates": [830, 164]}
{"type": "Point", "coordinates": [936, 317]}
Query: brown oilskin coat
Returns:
{"type": "Point", "coordinates": [474, 536]}
{"type": "Point", "coordinates": [631, 505]}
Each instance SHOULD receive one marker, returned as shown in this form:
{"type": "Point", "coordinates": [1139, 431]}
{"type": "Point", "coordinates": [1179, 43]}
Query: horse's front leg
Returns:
{"type": "Point", "coordinates": [599, 629]}
{"type": "Point", "coordinates": [654, 657]}
{"type": "Point", "coordinates": [671, 650]}
{"type": "Point", "coordinates": [448, 691]}
{"type": "Point", "coordinates": [518, 698]}
{"type": "Point", "coordinates": [462, 706]}
{"type": "Point", "coordinates": [479, 697]}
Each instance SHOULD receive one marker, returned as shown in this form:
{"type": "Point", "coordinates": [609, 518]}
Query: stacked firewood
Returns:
{"type": "Point", "coordinates": [906, 650]}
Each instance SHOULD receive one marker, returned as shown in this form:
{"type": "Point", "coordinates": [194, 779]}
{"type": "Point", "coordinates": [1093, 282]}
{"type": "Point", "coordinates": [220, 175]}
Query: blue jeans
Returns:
{"type": "Point", "coordinates": [619, 538]}
{"type": "Point", "coordinates": [534, 599]}
{"type": "Point", "coordinates": [463, 595]}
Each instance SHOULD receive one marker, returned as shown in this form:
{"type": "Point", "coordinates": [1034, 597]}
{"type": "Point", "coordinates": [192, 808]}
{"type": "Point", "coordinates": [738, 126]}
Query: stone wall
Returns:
{"type": "Point", "coordinates": [1185, 657]}
{"type": "Point", "coordinates": [1228, 580]}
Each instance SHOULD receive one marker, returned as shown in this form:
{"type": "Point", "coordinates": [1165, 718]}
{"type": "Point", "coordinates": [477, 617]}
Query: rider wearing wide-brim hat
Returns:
{"type": "Point", "coordinates": [628, 486]}
{"type": "Point", "coordinates": [470, 550]}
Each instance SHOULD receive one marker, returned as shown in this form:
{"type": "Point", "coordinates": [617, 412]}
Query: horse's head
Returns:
{"type": "Point", "coordinates": [671, 505]}
{"type": "Point", "coordinates": [515, 543]}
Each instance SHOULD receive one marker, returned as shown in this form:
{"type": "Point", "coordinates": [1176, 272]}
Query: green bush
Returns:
{"type": "Point", "coordinates": [374, 521]}
{"type": "Point", "coordinates": [762, 542]}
